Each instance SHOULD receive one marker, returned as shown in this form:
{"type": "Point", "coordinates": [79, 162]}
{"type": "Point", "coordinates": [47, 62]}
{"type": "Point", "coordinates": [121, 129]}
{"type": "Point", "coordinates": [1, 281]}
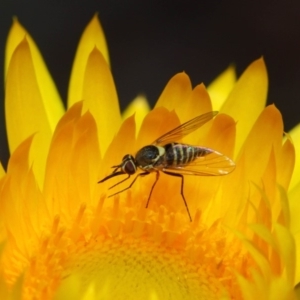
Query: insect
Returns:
{"type": "Point", "coordinates": [173, 158]}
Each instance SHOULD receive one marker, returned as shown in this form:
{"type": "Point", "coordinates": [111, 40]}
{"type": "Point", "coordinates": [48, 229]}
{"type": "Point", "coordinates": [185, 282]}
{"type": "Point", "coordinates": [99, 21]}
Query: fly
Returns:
{"type": "Point", "coordinates": [174, 159]}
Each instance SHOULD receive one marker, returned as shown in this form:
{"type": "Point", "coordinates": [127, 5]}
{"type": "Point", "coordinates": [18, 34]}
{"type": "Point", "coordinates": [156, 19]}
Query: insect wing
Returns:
{"type": "Point", "coordinates": [184, 129]}
{"type": "Point", "coordinates": [212, 163]}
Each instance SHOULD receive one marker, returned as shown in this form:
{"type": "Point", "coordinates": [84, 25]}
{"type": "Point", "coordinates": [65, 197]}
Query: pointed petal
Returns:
{"type": "Point", "coordinates": [257, 255]}
{"type": "Point", "coordinates": [85, 159]}
{"type": "Point", "coordinates": [197, 103]}
{"type": "Point", "coordinates": [265, 135]}
{"type": "Point", "coordinates": [18, 163]}
{"type": "Point", "coordinates": [62, 140]}
{"type": "Point", "coordinates": [295, 224]}
{"type": "Point", "coordinates": [100, 98]}
{"type": "Point", "coordinates": [2, 171]}
{"type": "Point", "coordinates": [57, 176]}
{"type": "Point", "coordinates": [221, 136]}
{"type": "Point", "coordinates": [297, 242]}
{"type": "Point", "coordinates": [286, 164]}
{"type": "Point", "coordinates": [76, 135]}
{"type": "Point", "coordinates": [285, 216]}
{"type": "Point", "coordinates": [221, 87]}
{"type": "Point", "coordinates": [247, 99]}
{"type": "Point", "coordinates": [232, 187]}
{"type": "Point", "coordinates": [295, 208]}
{"type": "Point", "coordinates": [92, 37]}
{"type": "Point", "coordinates": [295, 136]}
{"type": "Point", "coordinates": [264, 233]}
{"type": "Point", "coordinates": [22, 206]}
{"type": "Point", "coordinates": [286, 245]}
{"type": "Point", "coordinates": [122, 144]}
{"type": "Point", "coordinates": [177, 90]}
{"type": "Point", "coordinates": [155, 124]}
{"type": "Point", "coordinates": [294, 192]}
{"type": "Point", "coordinates": [268, 179]}
{"type": "Point", "coordinates": [49, 95]}
{"type": "Point", "coordinates": [24, 109]}
{"type": "Point", "coordinates": [72, 115]}
{"type": "Point", "coordinates": [140, 108]}
{"type": "Point", "coordinates": [178, 96]}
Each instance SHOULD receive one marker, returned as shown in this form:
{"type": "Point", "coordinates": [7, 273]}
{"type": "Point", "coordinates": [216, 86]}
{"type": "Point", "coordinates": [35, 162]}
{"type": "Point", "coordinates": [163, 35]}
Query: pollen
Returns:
{"type": "Point", "coordinates": [125, 250]}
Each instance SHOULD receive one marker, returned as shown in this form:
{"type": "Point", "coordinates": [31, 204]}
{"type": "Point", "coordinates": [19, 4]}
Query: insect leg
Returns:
{"type": "Point", "coordinates": [157, 176]}
{"type": "Point", "coordinates": [182, 183]}
{"type": "Point", "coordinates": [131, 184]}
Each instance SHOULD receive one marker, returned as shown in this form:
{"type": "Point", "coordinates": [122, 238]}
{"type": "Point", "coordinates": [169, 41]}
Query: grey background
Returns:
{"type": "Point", "coordinates": [150, 41]}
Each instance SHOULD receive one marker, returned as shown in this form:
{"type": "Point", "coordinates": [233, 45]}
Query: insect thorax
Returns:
{"type": "Point", "coordinates": [148, 156]}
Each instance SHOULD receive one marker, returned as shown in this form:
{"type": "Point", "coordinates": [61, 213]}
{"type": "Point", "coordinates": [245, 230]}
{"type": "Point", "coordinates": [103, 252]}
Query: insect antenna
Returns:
{"type": "Point", "coordinates": [113, 174]}
{"type": "Point", "coordinates": [119, 181]}
{"type": "Point", "coordinates": [115, 169]}
{"type": "Point", "coordinates": [131, 184]}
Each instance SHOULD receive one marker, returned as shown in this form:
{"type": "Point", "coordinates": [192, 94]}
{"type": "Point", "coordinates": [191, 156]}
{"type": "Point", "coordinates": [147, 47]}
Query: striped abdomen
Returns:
{"type": "Point", "coordinates": [182, 154]}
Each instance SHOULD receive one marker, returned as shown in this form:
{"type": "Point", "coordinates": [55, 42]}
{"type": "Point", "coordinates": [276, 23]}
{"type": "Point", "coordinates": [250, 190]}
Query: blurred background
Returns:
{"type": "Point", "coordinates": [150, 41]}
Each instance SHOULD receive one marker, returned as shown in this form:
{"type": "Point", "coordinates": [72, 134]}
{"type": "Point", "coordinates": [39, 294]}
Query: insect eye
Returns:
{"type": "Point", "coordinates": [129, 167]}
{"type": "Point", "coordinates": [126, 157]}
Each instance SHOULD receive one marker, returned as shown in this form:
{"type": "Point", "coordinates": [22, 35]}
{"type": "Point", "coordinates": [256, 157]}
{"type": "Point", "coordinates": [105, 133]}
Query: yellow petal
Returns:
{"type": "Point", "coordinates": [256, 164]}
{"type": "Point", "coordinates": [247, 99]}
{"type": "Point", "coordinates": [197, 103]}
{"type": "Point", "coordinates": [295, 208]}
{"type": "Point", "coordinates": [18, 163]}
{"type": "Point", "coordinates": [220, 88]}
{"type": "Point", "coordinates": [295, 224]}
{"type": "Point", "coordinates": [76, 135]}
{"type": "Point", "coordinates": [57, 176]}
{"type": "Point", "coordinates": [297, 242]}
{"type": "Point", "coordinates": [83, 163]}
{"type": "Point", "coordinates": [187, 103]}
{"type": "Point", "coordinates": [24, 109]}
{"type": "Point", "coordinates": [122, 144]}
{"type": "Point", "coordinates": [265, 135]}
{"type": "Point", "coordinates": [49, 95]}
{"type": "Point", "coordinates": [61, 141]}
{"type": "Point", "coordinates": [268, 179]}
{"type": "Point", "coordinates": [155, 124]}
{"type": "Point", "coordinates": [2, 171]}
{"type": "Point", "coordinates": [23, 208]}
{"type": "Point", "coordinates": [177, 90]}
{"type": "Point", "coordinates": [92, 37]}
{"type": "Point", "coordinates": [221, 136]}
{"type": "Point", "coordinates": [140, 108]}
{"type": "Point", "coordinates": [285, 216]}
{"type": "Point", "coordinates": [100, 98]}
{"type": "Point", "coordinates": [286, 245]}
{"type": "Point", "coordinates": [286, 164]}
{"type": "Point", "coordinates": [295, 135]}
{"type": "Point", "coordinates": [229, 200]}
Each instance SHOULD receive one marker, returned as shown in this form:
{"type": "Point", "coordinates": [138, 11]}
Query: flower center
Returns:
{"type": "Point", "coordinates": [118, 252]}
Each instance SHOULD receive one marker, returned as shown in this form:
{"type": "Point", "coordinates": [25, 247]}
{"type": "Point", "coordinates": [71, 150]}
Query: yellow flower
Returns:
{"type": "Point", "coordinates": [63, 238]}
